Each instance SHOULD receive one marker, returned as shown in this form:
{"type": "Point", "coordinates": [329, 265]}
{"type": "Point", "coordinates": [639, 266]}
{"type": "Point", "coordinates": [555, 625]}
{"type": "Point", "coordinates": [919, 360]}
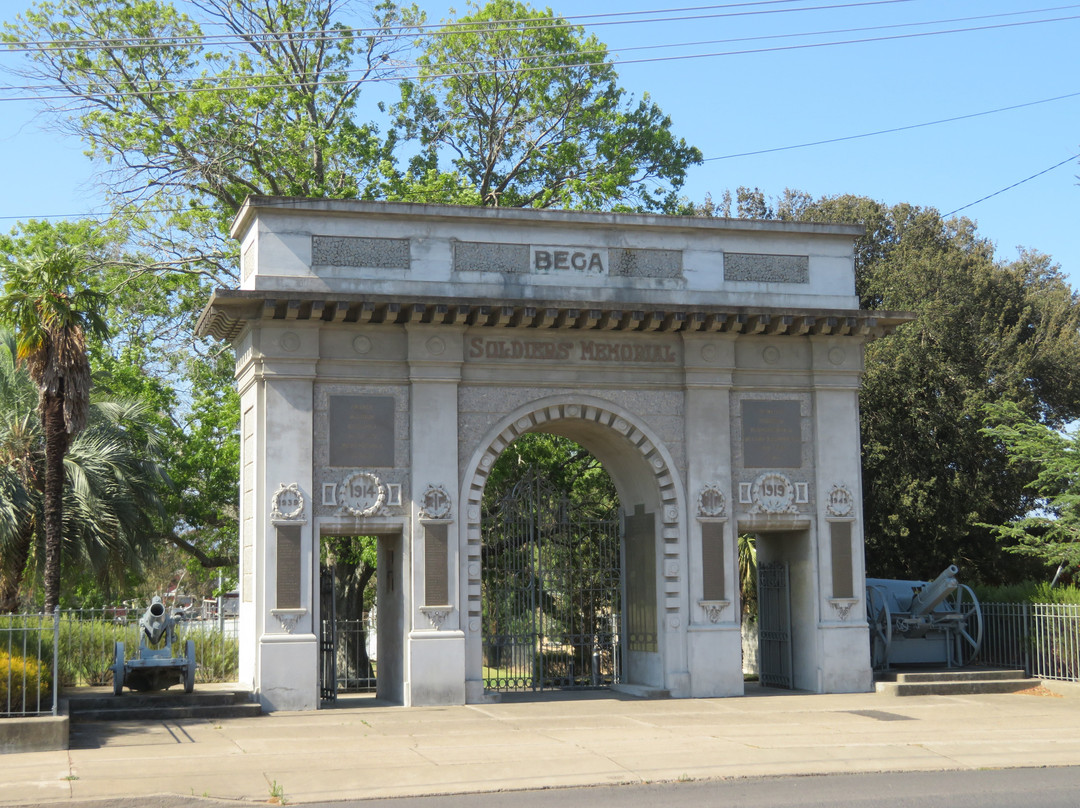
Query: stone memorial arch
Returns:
{"type": "Point", "coordinates": [386, 354]}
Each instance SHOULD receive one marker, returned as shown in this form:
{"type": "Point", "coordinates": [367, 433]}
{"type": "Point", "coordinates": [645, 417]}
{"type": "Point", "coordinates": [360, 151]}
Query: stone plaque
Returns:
{"type": "Point", "coordinates": [843, 579]}
{"type": "Point", "coordinates": [436, 560]}
{"type": "Point", "coordinates": [712, 560]}
{"type": "Point", "coordinates": [288, 567]}
{"type": "Point", "coordinates": [771, 434]}
{"type": "Point", "coordinates": [361, 431]}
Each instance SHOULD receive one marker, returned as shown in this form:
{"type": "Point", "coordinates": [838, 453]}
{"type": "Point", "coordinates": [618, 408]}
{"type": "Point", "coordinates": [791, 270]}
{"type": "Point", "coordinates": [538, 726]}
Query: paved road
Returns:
{"type": "Point", "coordinates": [996, 788]}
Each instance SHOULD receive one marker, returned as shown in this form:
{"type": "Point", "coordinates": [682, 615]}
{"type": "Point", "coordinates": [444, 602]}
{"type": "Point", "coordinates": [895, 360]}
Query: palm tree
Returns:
{"type": "Point", "coordinates": [112, 479]}
{"type": "Point", "coordinates": [52, 313]}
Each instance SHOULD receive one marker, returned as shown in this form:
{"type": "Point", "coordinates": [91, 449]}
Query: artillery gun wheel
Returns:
{"type": "Point", "coordinates": [967, 636]}
{"type": "Point", "coordinates": [879, 617]}
{"type": "Point", "coordinates": [118, 670]}
{"type": "Point", "coordinates": [189, 672]}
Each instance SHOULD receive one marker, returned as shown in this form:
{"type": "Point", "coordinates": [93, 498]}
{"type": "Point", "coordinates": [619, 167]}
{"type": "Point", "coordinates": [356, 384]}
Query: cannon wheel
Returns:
{"type": "Point", "coordinates": [966, 638]}
{"type": "Point", "coordinates": [189, 672]}
{"type": "Point", "coordinates": [118, 670]}
{"type": "Point", "coordinates": [879, 617]}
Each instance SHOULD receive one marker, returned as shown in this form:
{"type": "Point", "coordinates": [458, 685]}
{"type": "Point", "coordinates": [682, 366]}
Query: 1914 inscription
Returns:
{"type": "Point", "coordinates": [361, 431]}
{"type": "Point", "coordinates": [772, 434]}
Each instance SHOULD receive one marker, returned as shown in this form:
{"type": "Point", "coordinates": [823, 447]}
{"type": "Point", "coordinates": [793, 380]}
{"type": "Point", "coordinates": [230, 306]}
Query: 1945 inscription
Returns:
{"type": "Point", "coordinates": [563, 351]}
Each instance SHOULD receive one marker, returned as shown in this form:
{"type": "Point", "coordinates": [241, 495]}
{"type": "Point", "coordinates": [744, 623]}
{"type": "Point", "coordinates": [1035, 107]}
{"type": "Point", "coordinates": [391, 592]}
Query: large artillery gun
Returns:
{"type": "Point", "coordinates": [155, 668]}
{"type": "Point", "coordinates": [927, 623]}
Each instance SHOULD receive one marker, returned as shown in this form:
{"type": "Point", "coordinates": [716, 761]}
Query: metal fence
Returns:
{"type": "Point", "coordinates": [77, 648]}
{"type": "Point", "coordinates": [29, 661]}
{"type": "Point", "coordinates": [1041, 638]}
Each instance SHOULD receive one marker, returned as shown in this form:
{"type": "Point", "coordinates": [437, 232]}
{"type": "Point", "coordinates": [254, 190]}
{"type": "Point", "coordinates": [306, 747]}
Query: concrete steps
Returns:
{"type": "Point", "coordinates": [94, 705]}
{"type": "Point", "coordinates": [954, 682]}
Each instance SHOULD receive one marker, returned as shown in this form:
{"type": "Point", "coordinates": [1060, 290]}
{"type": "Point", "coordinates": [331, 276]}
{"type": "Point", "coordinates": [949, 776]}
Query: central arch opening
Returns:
{"type": "Point", "coordinates": [551, 582]}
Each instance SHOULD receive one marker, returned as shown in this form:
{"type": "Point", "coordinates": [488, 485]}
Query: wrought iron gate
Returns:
{"type": "Point", "coordinates": [550, 585]}
{"type": "Point", "coordinates": [327, 637]}
{"type": "Point", "coordinates": [774, 627]}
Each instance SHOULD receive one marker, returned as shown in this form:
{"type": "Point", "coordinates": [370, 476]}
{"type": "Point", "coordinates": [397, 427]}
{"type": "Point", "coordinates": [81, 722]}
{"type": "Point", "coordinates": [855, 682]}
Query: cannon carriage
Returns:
{"type": "Point", "coordinates": [923, 623]}
{"type": "Point", "coordinates": [154, 668]}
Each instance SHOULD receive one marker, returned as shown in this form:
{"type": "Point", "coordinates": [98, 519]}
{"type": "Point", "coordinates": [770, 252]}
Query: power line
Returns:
{"type": "Point", "coordinates": [894, 129]}
{"type": "Point", "coordinates": [1010, 187]}
{"type": "Point", "coordinates": [603, 52]}
{"type": "Point", "coordinates": [437, 29]}
{"type": "Point", "coordinates": [565, 66]}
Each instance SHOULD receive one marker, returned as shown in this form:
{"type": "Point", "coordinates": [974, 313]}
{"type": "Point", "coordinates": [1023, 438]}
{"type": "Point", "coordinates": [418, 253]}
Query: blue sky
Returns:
{"type": "Point", "coordinates": [741, 102]}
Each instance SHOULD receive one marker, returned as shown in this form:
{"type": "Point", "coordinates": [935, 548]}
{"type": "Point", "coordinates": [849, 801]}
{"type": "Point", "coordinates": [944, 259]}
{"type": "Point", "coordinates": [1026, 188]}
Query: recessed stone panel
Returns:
{"type": "Point", "coordinates": [637, 263]}
{"type": "Point", "coordinates": [361, 431]}
{"type": "Point", "coordinates": [479, 256]}
{"type": "Point", "coordinates": [355, 251]}
{"type": "Point", "coordinates": [771, 434]}
{"type": "Point", "coordinates": [766, 268]}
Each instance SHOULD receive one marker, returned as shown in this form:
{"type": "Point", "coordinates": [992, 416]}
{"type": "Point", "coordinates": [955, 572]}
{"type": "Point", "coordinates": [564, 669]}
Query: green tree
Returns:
{"type": "Point", "coordinates": [987, 330]}
{"type": "Point", "coordinates": [51, 310]}
{"type": "Point", "coordinates": [529, 111]}
{"type": "Point", "coordinates": [196, 124]}
{"type": "Point", "coordinates": [1050, 531]}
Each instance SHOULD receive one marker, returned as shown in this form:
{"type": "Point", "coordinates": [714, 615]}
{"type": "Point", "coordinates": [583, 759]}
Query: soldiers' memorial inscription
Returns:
{"type": "Point", "coordinates": [771, 434]}
{"type": "Point", "coordinates": [585, 350]}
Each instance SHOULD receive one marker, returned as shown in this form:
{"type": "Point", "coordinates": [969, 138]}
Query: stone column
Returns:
{"type": "Point", "coordinates": [714, 633]}
{"type": "Point", "coordinates": [279, 610]}
{"type": "Point", "coordinates": [435, 659]}
{"type": "Point", "coordinates": [844, 664]}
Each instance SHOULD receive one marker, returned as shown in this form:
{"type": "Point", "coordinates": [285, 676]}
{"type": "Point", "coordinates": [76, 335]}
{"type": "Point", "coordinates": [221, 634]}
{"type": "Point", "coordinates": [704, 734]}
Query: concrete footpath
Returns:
{"type": "Point", "coordinates": [364, 749]}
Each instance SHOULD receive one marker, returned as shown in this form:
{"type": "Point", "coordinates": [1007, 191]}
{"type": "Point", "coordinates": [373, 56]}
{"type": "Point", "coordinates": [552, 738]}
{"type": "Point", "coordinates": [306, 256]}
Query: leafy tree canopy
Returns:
{"type": "Point", "coordinates": [987, 331]}
{"type": "Point", "coordinates": [529, 111]}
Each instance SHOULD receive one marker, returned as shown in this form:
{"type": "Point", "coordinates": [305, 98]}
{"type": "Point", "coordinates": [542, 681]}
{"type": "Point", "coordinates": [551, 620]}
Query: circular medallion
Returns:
{"type": "Point", "coordinates": [771, 354]}
{"type": "Point", "coordinates": [436, 346]}
{"type": "Point", "coordinates": [362, 493]}
{"type": "Point", "coordinates": [709, 353]}
{"type": "Point", "coordinates": [361, 344]}
{"type": "Point", "coordinates": [711, 501]}
{"type": "Point", "coordinates": [435, 503]}
{"type": "Point", "coordinates": [837, 356]}
{"type": "Point", "coordinates": [573, 411]}
{"type": "Point", "coordinates": [289, 341]}
{"type": "Point", "coordinates": [774, 493]}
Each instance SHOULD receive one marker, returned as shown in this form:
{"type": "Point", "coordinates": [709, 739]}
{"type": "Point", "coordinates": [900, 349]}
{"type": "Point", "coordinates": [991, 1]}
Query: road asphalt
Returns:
{"type": "Point", "coordinates": [366, 749]}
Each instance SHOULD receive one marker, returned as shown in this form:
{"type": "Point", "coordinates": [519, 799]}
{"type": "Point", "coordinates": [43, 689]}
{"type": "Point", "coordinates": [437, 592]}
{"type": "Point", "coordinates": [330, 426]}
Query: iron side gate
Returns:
{"type": "Point", "coordinates": [774, 627]}
{"type": "Point", "coordinates": [551, 593]}
{"type": "Point", "coordinates": [327, 638]}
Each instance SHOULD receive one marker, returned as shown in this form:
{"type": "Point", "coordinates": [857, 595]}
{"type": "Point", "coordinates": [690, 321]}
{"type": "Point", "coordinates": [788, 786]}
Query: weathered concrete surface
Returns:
{"type": "Point", "coordinates": [371, 750]}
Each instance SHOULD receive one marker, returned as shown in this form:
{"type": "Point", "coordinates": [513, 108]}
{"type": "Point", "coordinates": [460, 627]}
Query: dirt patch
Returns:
{"type": "Point", "coordinates": [1039, 690]}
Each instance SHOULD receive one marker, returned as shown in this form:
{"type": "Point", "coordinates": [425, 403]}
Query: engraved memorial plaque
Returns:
{"type": "Point", "coordinates": [772, 434]}
{"type": "Point", "coordinates": [361, 431]}
{"type": "Point", "coordinates": [288, 567]}
{"type": "Point", "coordinates": [436, 560]}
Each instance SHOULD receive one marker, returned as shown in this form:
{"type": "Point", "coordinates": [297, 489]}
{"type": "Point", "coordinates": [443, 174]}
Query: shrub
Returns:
{"type": "Point", "coordinates": [1028, 592]}
{"type": "Point", "coordinates": [24, 678]}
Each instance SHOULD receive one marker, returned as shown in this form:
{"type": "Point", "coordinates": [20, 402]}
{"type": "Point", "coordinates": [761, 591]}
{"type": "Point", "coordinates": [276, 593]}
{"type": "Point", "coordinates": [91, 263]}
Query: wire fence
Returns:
{"type": "Point", "coordinates": [1041, 638]}
{"type": "Point", "coordinates": [42, 654]}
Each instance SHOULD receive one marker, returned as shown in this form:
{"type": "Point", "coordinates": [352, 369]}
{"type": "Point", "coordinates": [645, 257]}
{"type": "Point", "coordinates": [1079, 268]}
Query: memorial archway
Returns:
{"type": "Point", "coordinates": [388, 353]}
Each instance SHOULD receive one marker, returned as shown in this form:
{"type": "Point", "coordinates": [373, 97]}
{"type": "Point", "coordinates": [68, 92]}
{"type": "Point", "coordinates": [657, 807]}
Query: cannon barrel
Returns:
{"type": "Point", "coordinates": [934, 592]}
{"type": "Point", "coordinates": [155, 622]}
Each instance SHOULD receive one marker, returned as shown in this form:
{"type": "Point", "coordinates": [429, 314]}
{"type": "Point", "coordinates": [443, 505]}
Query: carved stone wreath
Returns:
{"type": "Point", "coordinates": [773, 493]}
{"type": "Point", "coordinates": [287, 502]}
{"type": "Point", "coordinates": [436, 503]}
{"type": "Point", "coordinates": [362, 494]}
{"type": "Point", "coordinates": [840, 501]}
{"type": "Point", "coordinates": [711, 501]}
